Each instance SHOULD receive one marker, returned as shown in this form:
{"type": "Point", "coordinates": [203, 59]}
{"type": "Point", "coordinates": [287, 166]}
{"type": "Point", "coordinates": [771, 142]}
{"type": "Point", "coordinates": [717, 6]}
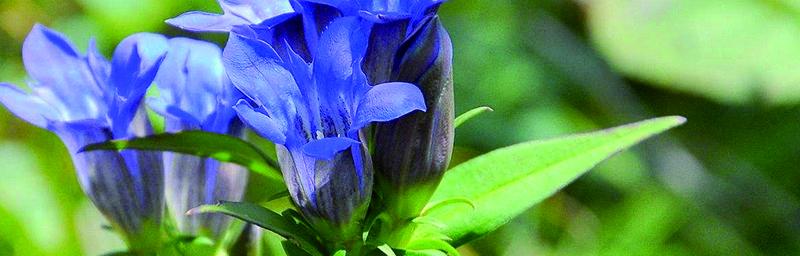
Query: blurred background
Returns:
{"type": "Point", "coordinates": [726, 183]}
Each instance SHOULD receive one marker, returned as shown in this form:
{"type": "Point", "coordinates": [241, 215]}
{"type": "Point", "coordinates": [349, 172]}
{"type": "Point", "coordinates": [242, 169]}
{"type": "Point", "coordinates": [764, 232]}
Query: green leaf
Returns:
{"type": "Point", "coordinates": [266, 219]}
{"type": "Point", "coordinates": [424, 253]}
{"type": "Point", "coordinates": [231, 234]}
{"type": "Point", "coordinates": [463, 118]}
{"type": "Point", "coordinates": [116, 254]}
{"type": "Point", "coordinates": [507, 181]}
{"type": "Point", "coordinates": [425, 220]}
{"type": "Point", "coordinates": [202, 246]}
{"type": "Point", "coordinates": [276, 196]}
{"type": "Point", "coordinates": [735, 52]}
{"type": "Point", "coordinates": [199, 143]}
{"type": "Point", "coordinates": [446, 202]}
{"type": "Point", "coordinates": [433, 244]}
{"type": "Point", "coordinates": [292, 249]}
{"type": "Point", "coordinates": [386, 250]}
{"type": "Point", "coordinates": [6, 248]}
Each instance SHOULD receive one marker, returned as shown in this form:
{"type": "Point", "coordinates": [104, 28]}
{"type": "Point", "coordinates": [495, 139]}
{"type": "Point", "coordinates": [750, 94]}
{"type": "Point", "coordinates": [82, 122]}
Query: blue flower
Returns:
{"type": "Point", "coordinates": [195, 94]}
{"type": "Point", "coordinates": [382, 11]}
{"type": "Point", "coordinates": [235, 12]}
{"type": "Point", "coordinates": [315, 110]}
{"type": "Point", "coordinates": [392, 22]}
{"type": "Point", "coordinates": [85, 99]}
{"type": "Point", "coordinates": [412, 153]}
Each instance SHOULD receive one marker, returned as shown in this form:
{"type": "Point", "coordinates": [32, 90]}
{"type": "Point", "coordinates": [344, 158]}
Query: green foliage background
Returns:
{"type": "Point", "coordinates": [723, 184]}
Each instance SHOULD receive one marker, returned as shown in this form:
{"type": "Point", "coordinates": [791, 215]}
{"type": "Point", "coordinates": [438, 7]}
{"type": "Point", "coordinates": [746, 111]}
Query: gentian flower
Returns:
{"type": "Point", "coordinates": [85, 99]}
{"type": "Point", "coordinates": [314, 111]}
{"type": "Point", "coordinates": [195, 94]}
{"type": "Point", "coordinates": [392, 23]}
{"type": "Point", "coordinates": [413, 152]}
{"type": "Point", "coordinates": [235, 12]}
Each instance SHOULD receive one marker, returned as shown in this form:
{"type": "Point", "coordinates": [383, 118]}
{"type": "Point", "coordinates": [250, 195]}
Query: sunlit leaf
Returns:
{"type": "Point", "coordinates": [730, 51]}
{"type": "Point", "coordinates": [424, 253]}
{"type": "Point", "coordinates": [463, 118]}
{"type": "Point", "coordinates": [433, 244]}
{"type": "Point", "coordinates": [199, 143]}
{"type": "Point", "coordinates": [386, 250]}
{"type": "Point", "coordinates": [505, 182]}
{"type": "Point", "coordinates": [266, 219]}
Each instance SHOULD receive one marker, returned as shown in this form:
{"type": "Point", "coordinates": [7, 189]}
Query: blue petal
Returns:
{"type": "Point", "coordinates": [191, 77]}
{"type": "Point", "coordinates": [388, 101]}
{"type": "Point", "coordinates": [133, 68]}
{"type": "Point", "coordinates": [25, 106]}
{"type": "Point", "coordinates": [169, 111]}
{"type": "Point", "coordinates": [341, 48]}
{"type": "Point", "coordinates": [421, 50]}
{"type": "Point", "coordinates": [135, 62]}
{"type": "Point", "coordinates": [206, 22]}
{"type": "Point", "coordinates": [61, 76]}
{"type": "Point", "coordinates": [255, 11]}
{"type": "Point", "coordinates": [346, 6]}
{"type": "Point", "coordinates": [326, 148]}
{"type": "Point", "coordinates": [422, 8]}
{"type": "Point", "coordinates": [100, 67]}
{"type": "Point", "coordinates": [316, 18]}
{"type": "Point", "coordinates": [252, 67]}
{"type": "Point", "coordinates": [384, 17]}
{"type": "Point", "coordinates": [242, 12]}
{"type": "Point", "coordinates": [384, 40]}
{"type": "Point", "coordinates": [262, 124]}
{"type": "Point", "coordinates": [285, 33]}
{"type": "Point", "coordinates": [340, 45]}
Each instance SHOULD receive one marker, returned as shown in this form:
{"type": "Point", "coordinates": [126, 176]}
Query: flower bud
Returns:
{"type": "Point", "coordinates": [337, 202]}
{"type": "Point", "coordinates": [195, 94]}
{"type": "Point", "coordinates": [412, 152]}
{"type": "Point", "coordinates": [85, 99]}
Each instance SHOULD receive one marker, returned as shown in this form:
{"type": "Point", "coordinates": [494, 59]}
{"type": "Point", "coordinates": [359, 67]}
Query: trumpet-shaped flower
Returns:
{"type": "Point", "coordinates": [392, 22]}
{"type": "Point", "coordinates": [412, 153]}
{"type": "Point", "coordinates": [315, 110]}
{"type": "Point", "coordinates": [195, 94]}
{"type": "Point", "coordinates": [85, 99]}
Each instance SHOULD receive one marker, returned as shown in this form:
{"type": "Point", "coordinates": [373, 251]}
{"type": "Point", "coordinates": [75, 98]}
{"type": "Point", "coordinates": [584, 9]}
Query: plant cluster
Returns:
{"type": "Point", "coordinates": [357, 97]}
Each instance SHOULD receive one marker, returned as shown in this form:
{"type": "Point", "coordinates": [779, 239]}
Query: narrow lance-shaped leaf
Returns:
{"type": "Point", "coordinates": [199, 143]}
{"type": "Point", "coordinates": [267, 219]}
{"type": "Point", "coordinates": [507, 181]}
{"type": "Point", "coordinates": [463, 118]}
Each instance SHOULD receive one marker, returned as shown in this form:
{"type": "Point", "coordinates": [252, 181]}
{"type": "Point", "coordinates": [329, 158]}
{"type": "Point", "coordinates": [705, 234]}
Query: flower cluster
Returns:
{"type": "Point", "coordinates": [195, 94]}
{"type": "Point", "coordinates": [86, 99]}
{"type": "Point", "coordinates": [355, 94]}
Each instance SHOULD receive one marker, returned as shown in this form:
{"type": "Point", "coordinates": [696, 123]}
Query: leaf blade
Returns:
{"type": "Point", "coordinates": [265, 218]}
{"type": "Point", "coordinates": [526, 174]}
{"type": "Point", "coordinates": [199, 143]}
{"type": "Point", "coordinates": [463, 118]}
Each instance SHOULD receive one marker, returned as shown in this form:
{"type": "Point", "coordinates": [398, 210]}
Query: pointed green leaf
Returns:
{"type": "Point", "coordinates": [386, 250]}
{"type": "Point", "coordinates": [199, 143]}
{"type": "Point", "coordinates": [505, 182]}
{"type": "Point", "coordinates": [433, 244]}
{"type": "Point", "coordinates": [463, 118]}
{"type": "Point", "coordinates": [266, 219]}
{"type": "Point", "coordinates": [424, 253]}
